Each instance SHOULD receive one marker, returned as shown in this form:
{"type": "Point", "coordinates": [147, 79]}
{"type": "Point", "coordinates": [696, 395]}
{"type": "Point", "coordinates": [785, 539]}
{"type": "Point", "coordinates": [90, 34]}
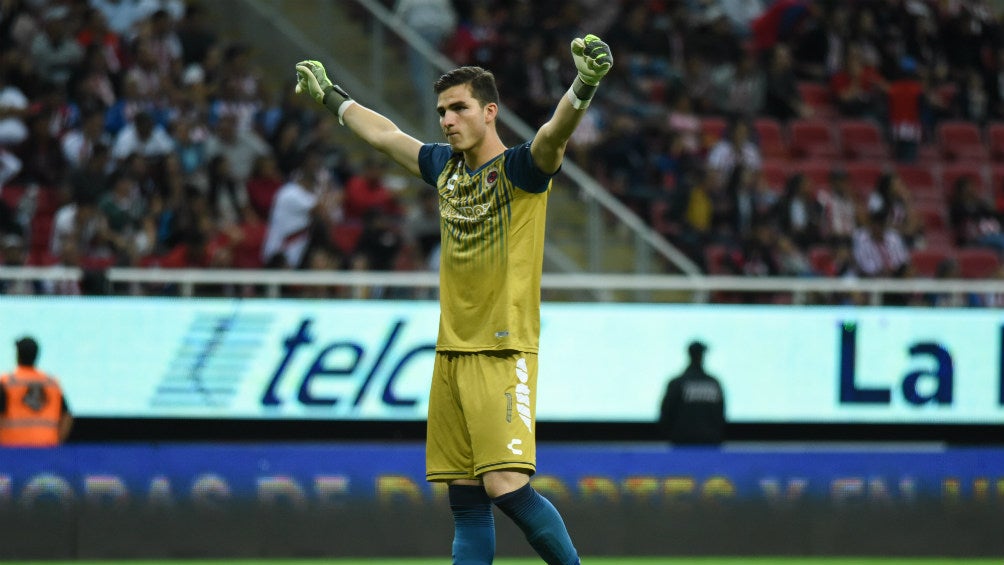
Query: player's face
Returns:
{"type": "Point", "coordinates": [461, 117]}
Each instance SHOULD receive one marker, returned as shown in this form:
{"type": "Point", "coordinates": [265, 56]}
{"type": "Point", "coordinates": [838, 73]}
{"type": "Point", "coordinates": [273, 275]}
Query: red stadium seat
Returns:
{"type": "Point", "coordinates": [925, 261]}
{"type": "Point", "coordinates": [864, 175]}
{"type": "Point", "coordinates": [931, 215]}
{"type": "Point", "coordinates": [917, 177]}
{"type": "Point", "coordinates": [817, 96]}
{"type": "Point", "coordinates": [818, 171]}
{"type": "Point", "coordinates": [960, 140]}
{"type": "Point", "coordinates": [821, 259]}
{"type": "Point", "coordinates": [862, 139]}
{"type": "Point", "coordinates": [770, 137]}
{"type": "Point", "coordinates": [714, 260]}
{"type": "Point", "coordinates": [940, 240]}
{"type": "Point", "coordinates": [995, 141]}
{"type": "Point", "coordinates": [247, 252]}
{"type": "Point", "coordinates": [977, 262]}
{"type": "Point", "coordinates": [813, 138]}
{"type": "Point", "coordinates": [346, 236]}
{"type": "Point", "coordinates": [776, 172]}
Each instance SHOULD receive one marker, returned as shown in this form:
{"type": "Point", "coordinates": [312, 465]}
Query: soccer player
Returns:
{"type": "Point", "coordinates": [492, 204]}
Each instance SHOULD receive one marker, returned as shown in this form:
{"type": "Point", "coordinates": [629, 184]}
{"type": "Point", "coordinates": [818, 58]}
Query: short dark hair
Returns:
{"type": "Point", "coordinates": [482, 83]}
{"type": "Point", "coordinates": [27, 351]}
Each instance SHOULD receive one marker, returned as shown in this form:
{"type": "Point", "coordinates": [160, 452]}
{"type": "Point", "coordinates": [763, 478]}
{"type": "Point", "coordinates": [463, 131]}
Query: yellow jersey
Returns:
{"type": "Point", "coordinates": [491, 248]}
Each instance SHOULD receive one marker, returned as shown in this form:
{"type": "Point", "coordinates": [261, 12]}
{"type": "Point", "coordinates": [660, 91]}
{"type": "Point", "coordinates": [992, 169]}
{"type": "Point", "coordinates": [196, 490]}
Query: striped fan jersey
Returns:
{"type": "Point", "coordinates": [492, 248]}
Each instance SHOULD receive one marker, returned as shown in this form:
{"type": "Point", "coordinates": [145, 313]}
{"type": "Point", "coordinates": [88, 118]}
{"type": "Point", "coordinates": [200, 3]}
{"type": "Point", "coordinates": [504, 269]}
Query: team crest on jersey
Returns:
{"type": "Point", "coordinates": [492, 178]}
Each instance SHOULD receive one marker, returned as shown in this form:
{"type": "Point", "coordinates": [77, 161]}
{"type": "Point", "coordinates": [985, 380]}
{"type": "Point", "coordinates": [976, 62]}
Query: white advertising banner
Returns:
{"type": "Point", "coordinates": [372, 360]}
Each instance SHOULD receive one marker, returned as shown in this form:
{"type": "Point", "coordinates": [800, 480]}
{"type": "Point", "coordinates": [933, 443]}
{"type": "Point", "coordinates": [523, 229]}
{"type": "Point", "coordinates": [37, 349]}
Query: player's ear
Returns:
{"type": "Point", "coordinates": [491, 112]}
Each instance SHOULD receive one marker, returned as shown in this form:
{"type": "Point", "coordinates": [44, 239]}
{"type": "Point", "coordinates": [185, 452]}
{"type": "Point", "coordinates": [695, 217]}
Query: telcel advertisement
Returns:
{"type": "Point", "coordinates": [372, 360]}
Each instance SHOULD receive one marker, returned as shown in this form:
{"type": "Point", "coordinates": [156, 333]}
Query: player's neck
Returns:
{"type": "Point", "coordinates": [489, 148]}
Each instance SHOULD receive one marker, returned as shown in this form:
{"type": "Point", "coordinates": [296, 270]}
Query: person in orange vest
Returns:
{"type": "Point", "coordinates": [33, 410]}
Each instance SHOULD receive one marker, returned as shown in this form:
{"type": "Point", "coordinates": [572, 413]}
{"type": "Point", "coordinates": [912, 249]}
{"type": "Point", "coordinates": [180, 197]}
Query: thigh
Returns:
{"type": "Point", "coordinates": [448, 445]}
{"type": "Point", "coordinates": [498, 392]}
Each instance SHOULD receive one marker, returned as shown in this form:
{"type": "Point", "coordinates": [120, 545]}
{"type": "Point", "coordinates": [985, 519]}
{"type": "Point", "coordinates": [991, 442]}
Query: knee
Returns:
{"type": "Point", "coordinates": [498, 483]}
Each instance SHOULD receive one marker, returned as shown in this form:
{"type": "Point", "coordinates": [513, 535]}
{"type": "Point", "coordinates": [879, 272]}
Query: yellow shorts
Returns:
{"type": "Point", "coordinates": [482, 409]}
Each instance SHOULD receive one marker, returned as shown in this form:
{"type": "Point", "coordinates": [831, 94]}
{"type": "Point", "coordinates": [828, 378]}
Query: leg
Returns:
{"type": "Point", "coordinates": [449, 459]}
{"type": "Point", "coordinates": [473, 523]}
{"type": "Point", "coordinates": [534, 514]}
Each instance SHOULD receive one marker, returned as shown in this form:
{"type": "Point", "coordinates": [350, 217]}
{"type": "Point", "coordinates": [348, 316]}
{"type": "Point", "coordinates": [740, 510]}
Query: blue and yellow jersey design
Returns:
{"type": "Point", "coordinates": [492, 248]}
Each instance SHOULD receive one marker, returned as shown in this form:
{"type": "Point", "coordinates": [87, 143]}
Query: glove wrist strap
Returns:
{"type": "Point", "coordinates": [336, 100]}
{"type": "Point", "coordinates": [580, 94]}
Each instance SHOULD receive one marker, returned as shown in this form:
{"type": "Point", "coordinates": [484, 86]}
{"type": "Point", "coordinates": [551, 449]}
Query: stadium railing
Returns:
{"type": "Point", "coordinates": [598, 287]}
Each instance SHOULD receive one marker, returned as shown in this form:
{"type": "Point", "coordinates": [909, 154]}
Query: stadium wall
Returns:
{"type": "Point", "coordinates": [371, 499]}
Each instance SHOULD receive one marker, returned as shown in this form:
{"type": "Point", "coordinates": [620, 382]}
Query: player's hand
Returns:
{"type": "Point", "coordinates": [592, 57]}
{"type": "Point", "coordinates": [311, 78]}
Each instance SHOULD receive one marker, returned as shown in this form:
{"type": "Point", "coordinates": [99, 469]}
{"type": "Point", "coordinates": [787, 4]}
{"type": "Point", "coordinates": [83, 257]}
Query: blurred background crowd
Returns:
{"type": "Point", "coordinates": [857, 138]}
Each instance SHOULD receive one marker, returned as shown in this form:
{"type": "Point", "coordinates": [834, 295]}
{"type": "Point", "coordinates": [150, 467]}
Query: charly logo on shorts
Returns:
{"type": "Point", "coordinates": [523, 394]}
{"type": "Point", "coordinates": [512, 446]}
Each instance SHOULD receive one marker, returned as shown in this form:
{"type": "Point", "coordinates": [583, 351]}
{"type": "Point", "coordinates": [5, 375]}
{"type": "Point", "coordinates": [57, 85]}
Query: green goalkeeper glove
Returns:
{"type": "Point", "coordinates": [593, 60]}
{"type": "Point", "coordinates": [311, 78]}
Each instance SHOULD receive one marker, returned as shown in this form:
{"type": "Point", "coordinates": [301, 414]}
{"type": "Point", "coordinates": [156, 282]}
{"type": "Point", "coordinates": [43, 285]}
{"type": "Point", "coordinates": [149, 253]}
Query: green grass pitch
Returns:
{"type": "Point", "coordinates": [585, 560]}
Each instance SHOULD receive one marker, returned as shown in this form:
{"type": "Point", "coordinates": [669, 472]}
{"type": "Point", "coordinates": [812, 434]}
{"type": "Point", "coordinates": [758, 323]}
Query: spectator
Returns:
{"type": "Point", "coordinates": [262, 186]}
{"type": "Point", "coordinates": [879, 250]}
{"type": "Point", "coordinates": [686, 125]}
{"type": "Point", "coordinates": [33, 408]}
{"type": "Point", "coordinates": [79, 143]}
{"type": "Point", "coordinates": [858, 88]}
{"type": "Point", "coordinates": [974, 220]}
{"type": "Point", "coordinates": [122, 15]}
{"type": "Point", "coordinates": [906, 102]}
{"type": "Point", "coordinates": [799, 212]}
{"type": "Point", "coordinates": [14, 253]}
{"type": "Point", "coordinates": [41, 153]}
{"type": "Point", "coordinates": [782, 99]}
{"type": "Point", "coordinates": [142, 137]}
{"type": "Point", "coordinates": [839, 211]}
{"type": "Point", "coordinates": [891, 199]}
{"type": "Point", "coordinates": [735, 148]}
{"type": "Point", "coordinates": [791, 260]}
{"type": "Point", "coordinates": [366, 191]}
{"type": "Point", "coordinates": [228, 198]}
{"type": "Point", "coordinates": [759, 254]}
{"type": "Point", "coordinates": [13, 110]}
{"type": "Point", "coordinates": [123, 208]}
{"type": "Point", "coordinates": [241, 148]}
{"type": "Point", "coordinates": [379, 243]}
{"type": "Point", "coordinates": [693, 408]}
{"type": "Point", "coordinates": [54, 52]}
{"type": "Point", "coordinates": [10, 166]}
{"type": "Point", "coordinates": [82, 228]}
{"type": "Point", "coordinates": [194, 33]}
{"type": "Point", "coordinates": [741, 88]}
{"type": "Point", "coordinates": [304, 210]}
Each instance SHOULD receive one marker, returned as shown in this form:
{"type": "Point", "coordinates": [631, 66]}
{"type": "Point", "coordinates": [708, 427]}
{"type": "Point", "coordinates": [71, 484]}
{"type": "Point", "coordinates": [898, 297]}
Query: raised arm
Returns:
{"type": "Point", "coordinates": [372, 127]}
{"type": "Point", "coordinates": [593, 60]}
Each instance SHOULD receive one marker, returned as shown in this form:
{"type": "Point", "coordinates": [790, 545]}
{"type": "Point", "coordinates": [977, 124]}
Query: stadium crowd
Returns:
{"type": "Point", "coordinates": [763, 138]}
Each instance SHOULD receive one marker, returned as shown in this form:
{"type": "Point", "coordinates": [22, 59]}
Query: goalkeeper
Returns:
{"type": "Point", "coordinates": [492, 204]}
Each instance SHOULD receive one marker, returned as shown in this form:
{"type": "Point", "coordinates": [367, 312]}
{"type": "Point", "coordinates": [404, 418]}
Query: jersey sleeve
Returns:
{"type": "Point", "coordinates": [432, 159]}
{"type": "Point", "coordinates": [523, 172]}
